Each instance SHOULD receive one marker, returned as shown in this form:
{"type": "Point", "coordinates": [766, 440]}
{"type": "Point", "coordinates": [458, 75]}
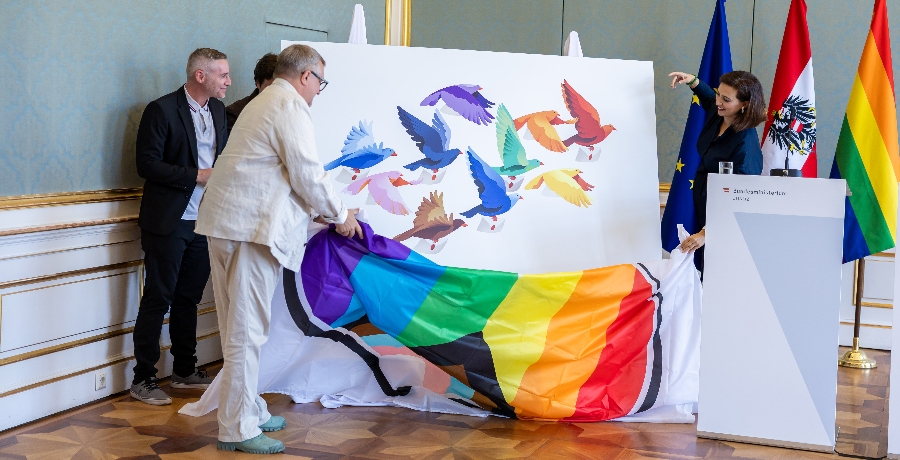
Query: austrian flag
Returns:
{"type": "Point", "coordinates": [790, 129]}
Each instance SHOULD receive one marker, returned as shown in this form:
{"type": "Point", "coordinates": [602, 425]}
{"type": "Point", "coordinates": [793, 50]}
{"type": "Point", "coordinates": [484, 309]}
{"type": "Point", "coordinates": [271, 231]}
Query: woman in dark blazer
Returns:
{"type": "Point", "coordinates": [729, 134]}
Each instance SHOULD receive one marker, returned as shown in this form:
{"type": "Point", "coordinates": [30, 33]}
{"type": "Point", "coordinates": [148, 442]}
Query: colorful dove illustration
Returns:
{"type": "Point", "coordinates": [383, 189]}
{"type": "Point", "coordinates": [360, 150]}
{"type": "Point", "coordinates": [433, 141]}
{"type": "Point", "coordinates": [566, 183]}
{"type": "Point", "coordinates": [491, 190]}
{"type": "Point", "coordinates": [431, 221]}
{"type": "Point", "coordinates": [464, 100]}
{"type": "Point", "coordinates": [510, 146]}
{"type": "Point", "coordinates": [590, 131]}
{"type": "Point", "coordinates": [540, 124]}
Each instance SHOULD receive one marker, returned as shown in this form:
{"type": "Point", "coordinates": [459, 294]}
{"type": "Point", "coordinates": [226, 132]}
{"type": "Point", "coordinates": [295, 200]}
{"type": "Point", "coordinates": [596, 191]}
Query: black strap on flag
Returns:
{"type": "Point", "coordinates": [301, 319]}
{"type": "Point", "coordinates": [656, 375]}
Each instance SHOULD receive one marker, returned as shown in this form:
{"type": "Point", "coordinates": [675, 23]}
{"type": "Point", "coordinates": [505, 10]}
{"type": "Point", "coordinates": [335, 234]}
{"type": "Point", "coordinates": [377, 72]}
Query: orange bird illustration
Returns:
{"type": "Point", "coordinates": [541, 126]}
{"type": "Point", "coordinates": [431, 221]}
{"type": "Point", "coordinates": [590, 131]}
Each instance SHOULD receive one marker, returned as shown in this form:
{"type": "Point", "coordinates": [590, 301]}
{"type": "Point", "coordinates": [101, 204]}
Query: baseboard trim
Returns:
{"type": "Point", "coordinates": [765, 442]}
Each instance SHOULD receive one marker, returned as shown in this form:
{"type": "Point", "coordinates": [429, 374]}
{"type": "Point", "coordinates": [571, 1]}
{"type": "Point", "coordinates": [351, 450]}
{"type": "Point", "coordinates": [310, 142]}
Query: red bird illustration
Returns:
{"type": "Point", "coordinates": [590, 131]}
{"type": "Point", "coordinates": [431, 221]}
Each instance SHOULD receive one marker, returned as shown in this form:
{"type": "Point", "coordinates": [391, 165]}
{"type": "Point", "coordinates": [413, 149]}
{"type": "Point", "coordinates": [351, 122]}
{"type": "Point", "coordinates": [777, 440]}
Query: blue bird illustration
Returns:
{"type": "Point", "coordinates": [360, 150]}
{"type": "Point", "coordinates": [433, 141]}
{"type": "Point", "coordinates": [491, 190]}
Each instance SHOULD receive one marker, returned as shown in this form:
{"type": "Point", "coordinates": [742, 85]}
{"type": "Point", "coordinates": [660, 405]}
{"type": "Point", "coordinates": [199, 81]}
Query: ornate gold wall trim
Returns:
{"type": "Point", "coordinates": [87, 223]}
{"type": "Point", "coordinates": [665, 187]}
{"type": "Point", "coordinates": [406, 22]}
{"type": "Point", "coordinates": [876, 326]}
{"type": "Point", "coordinates": [58, 199]}
{"type": "Point", "coordinates": [877, 305]}
{"type": "Point", "coordinates": [85, 341]}
{"type": "Point", "coordinates": [387, 22]}
{"type": "Point", "coordinates": [69, 274]}
{"type": "Point", "coordinates": [92, 369]}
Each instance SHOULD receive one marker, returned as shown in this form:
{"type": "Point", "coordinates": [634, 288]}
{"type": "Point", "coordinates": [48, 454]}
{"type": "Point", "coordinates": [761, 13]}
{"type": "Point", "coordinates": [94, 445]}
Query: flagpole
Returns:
{"type": "Point", "coordinates": [855, 357]}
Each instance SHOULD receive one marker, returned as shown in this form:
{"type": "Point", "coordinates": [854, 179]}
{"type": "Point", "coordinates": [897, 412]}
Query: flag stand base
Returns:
{"type": "Point", "coordinates": [856, 358]}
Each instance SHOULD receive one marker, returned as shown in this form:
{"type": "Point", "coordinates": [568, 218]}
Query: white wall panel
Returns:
{"type": "Point", "coordinates": [879, 280]}
{"type": "Point", "coordinates": [31, 244]}
{"type": "Point", "coordinates": [69, 260]}
{"type": "Point", "coordinates": [71, 360]}
{"type": "Point", "coordinates": [67, 307]}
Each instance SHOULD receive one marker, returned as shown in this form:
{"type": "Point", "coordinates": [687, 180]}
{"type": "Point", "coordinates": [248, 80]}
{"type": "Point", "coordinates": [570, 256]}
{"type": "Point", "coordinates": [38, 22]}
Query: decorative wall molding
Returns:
{"type": "Point", "coordinates": [84, 341]}
{"type": "Point", "coordinates": [69, 198]}
{"type": "Point", "coordinates": [63, 275]}
{"type": "Point", "coordinates": [71, 277]}
{"type": "Point", "coordinates": [91, 223]}
{"type": "Point", "coordinates": [398, 22]}
{"type": "Point", "coordinates": [112, 362]}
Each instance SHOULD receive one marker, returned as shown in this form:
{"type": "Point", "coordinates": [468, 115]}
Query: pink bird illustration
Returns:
{"type": "Point", "coordinates": [383, 189]}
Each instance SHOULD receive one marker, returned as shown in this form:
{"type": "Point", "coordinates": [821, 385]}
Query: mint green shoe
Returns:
{"type": "Point", "coordinates": [275, 423]}
{"type": "Point", "coordinates": [261, 444]}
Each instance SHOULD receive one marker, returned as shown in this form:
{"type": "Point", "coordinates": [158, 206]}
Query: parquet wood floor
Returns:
{"type": "Point", "coordinates": [121, 428]}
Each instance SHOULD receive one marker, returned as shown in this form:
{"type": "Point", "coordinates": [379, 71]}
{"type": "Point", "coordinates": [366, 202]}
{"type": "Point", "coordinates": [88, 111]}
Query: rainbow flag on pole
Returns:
{"type": "Point", "coordinates": [868, 155]}
{"type": "Point", "coordinates": [578, 346]}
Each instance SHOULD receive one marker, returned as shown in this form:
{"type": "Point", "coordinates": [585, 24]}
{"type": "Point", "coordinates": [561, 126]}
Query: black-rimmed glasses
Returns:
{"type": "Point", "coordinates": [322, 82]}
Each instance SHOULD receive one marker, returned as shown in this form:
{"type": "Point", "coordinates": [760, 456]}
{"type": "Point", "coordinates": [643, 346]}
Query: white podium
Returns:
{"type": "Point", "coordinates": [771, 301]}
{"type": "Point", "coordinates": [893, 448]}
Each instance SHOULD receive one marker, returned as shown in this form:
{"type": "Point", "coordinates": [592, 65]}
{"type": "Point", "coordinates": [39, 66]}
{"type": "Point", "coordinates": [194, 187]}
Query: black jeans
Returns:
{"type": "Point", "coordinates": [177, 269]}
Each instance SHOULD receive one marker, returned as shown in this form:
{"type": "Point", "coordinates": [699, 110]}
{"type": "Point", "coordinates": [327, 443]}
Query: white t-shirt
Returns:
{"type": "Point", "coordinates": [206, 148]}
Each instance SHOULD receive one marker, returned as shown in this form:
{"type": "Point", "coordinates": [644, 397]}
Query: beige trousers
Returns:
{"type": "Point", "coordinates": [244, 277]}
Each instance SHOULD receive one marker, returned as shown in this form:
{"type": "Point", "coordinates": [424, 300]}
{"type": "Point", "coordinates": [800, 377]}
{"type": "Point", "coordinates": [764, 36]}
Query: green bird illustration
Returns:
{"type": "Point", "coordinates": [510, 147]}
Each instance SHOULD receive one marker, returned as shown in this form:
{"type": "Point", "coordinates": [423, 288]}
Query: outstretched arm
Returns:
{"type": "Point", "coordinates": [704, 93]}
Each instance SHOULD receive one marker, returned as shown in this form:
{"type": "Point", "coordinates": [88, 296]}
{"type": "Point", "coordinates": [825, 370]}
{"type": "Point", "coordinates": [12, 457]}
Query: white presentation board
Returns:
{"type": "Point", "coordinates": [612, 212]}
{"type": "Point", "coordinates": [771, 302]}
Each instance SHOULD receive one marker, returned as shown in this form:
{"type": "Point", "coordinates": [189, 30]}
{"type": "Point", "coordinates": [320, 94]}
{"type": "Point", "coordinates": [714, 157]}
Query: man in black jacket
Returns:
{"type": "Point", "coordinates": [263, 76]}
{"type": "Point", "coordinates": [180, 136]}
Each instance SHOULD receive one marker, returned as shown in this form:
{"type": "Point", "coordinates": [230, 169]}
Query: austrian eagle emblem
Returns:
{"type": "Point", "coordinates": [794, 126]}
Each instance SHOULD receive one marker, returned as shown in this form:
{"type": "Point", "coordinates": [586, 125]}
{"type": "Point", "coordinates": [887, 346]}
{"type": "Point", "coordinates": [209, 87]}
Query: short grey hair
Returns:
{"type": "Point", "coordinates": [296, 59]}
{"type": "Point", "coordinates": [201, 58]}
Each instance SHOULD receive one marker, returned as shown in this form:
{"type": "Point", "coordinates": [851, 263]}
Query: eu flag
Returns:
{"type": "Point", "coordinates": [680, 204]}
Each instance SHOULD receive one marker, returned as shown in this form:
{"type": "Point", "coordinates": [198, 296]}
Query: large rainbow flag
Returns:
{"type": "Point", "coordinates": [576, 346]}
{"type": "Point", "coordinates": [868, 155]}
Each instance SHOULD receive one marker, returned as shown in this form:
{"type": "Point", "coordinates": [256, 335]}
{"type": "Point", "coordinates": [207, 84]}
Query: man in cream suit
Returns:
{"type": "Point", "coordinates": [266, 184]}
